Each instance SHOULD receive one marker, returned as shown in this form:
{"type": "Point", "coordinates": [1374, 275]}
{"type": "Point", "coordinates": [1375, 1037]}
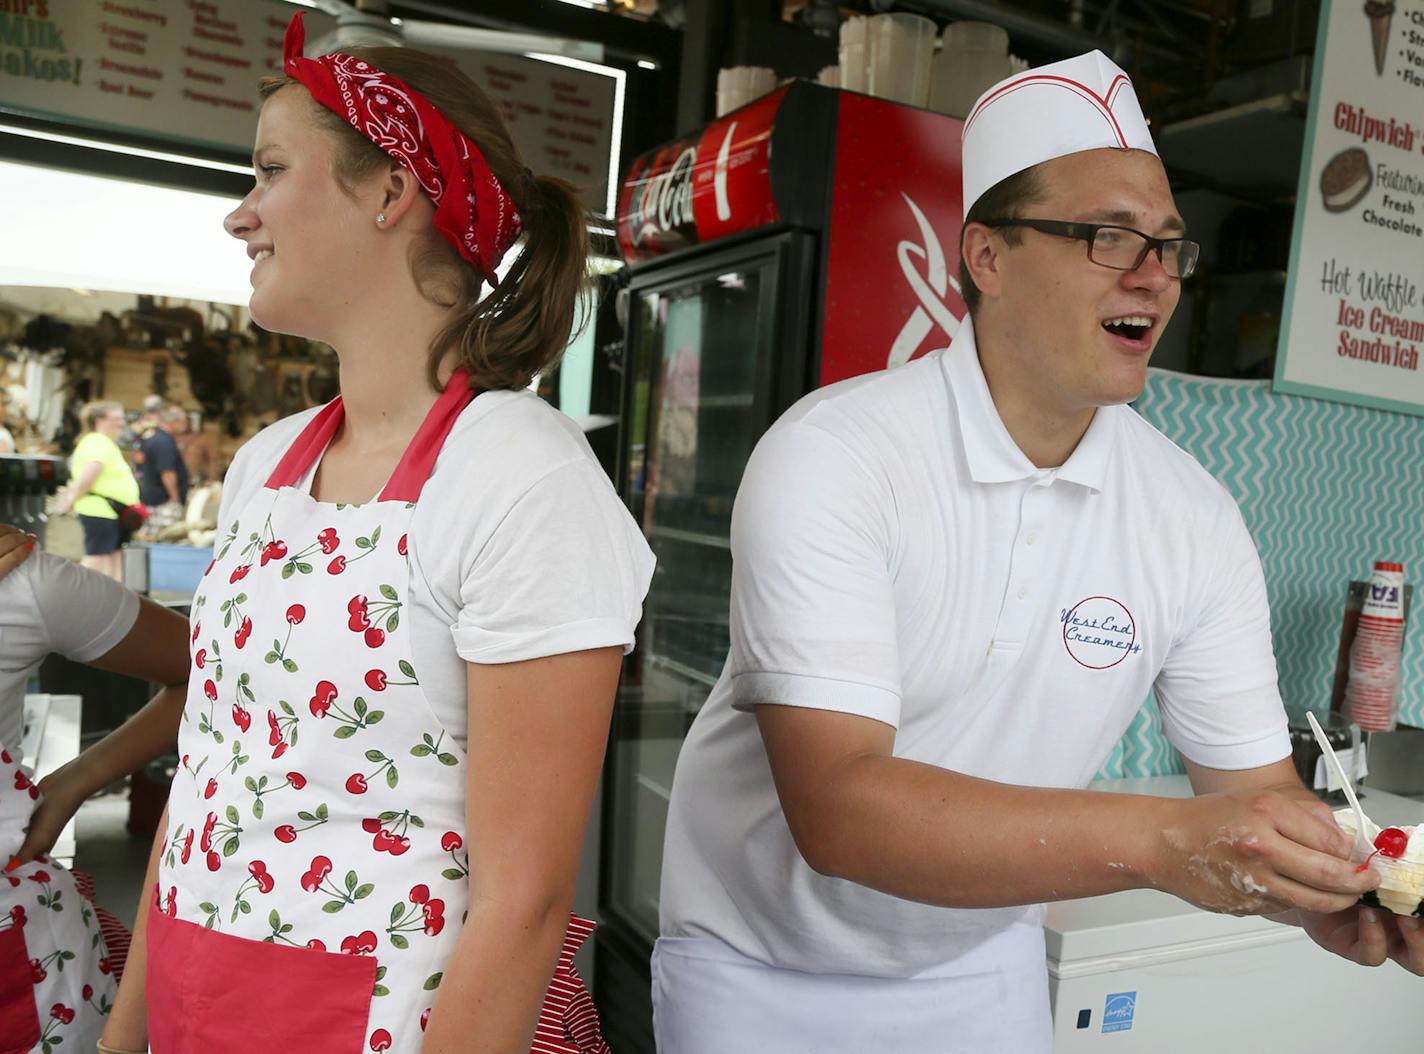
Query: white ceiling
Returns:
{"type": "Point", "coordinates": [79, 231]}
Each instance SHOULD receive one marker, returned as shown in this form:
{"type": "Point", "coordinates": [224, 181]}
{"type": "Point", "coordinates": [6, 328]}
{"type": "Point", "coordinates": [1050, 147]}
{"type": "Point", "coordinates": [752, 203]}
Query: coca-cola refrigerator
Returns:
{"type": "Point", "coordinates": [807, 237]}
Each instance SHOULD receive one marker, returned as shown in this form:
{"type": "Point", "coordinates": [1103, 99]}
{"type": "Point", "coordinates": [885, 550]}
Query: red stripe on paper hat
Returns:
{"type": "Point", "coordinates": [1082, 103]}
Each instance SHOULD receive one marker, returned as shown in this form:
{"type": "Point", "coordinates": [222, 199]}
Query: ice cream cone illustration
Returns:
{"type": "Point", "coordinates": [1381, 14]}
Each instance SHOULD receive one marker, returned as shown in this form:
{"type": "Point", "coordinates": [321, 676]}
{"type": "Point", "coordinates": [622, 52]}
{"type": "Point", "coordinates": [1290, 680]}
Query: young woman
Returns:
{"type": "Point", "coordinates": [59, 955]}
{"type": "Point", "coordinates": [100, 475]}
{"type": "Point", "coordinates": [406, 650]}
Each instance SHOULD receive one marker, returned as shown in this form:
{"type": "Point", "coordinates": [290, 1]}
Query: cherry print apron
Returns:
{"type": "Point", "coordinates": [57, 981]}
{"type": "Point", "coordinates": [314, 878]}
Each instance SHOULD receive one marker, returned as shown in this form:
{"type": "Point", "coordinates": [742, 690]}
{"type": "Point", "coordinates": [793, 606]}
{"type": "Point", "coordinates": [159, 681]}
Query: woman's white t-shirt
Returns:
{"type": "Point", "coordinates": [49, 604]}
{"type": "Point", "coordinates": [519, 546]}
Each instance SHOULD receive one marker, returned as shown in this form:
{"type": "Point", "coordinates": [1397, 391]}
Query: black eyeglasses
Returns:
{"type": "Point", "coordinates": [1121, 248]}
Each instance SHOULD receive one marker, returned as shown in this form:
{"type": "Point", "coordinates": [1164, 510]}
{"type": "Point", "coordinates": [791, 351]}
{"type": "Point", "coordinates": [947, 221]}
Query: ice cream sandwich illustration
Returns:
{"type": "Point", "coordinates": [1346, 179]}
{"type": "Point", "coordinates": [1380, 13]}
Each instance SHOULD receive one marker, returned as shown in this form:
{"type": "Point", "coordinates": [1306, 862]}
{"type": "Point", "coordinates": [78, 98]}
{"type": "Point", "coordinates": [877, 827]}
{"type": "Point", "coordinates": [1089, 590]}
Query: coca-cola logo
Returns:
{"type": "Point", "coordinates": [929, 288]}
{"type": "Point", "coordinates": [665, 201]}
{"type": "Point", "coordinates": [719, 175]}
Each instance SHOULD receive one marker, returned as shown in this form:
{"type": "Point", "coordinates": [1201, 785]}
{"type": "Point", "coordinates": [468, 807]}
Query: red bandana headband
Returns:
{"type": "Point", "coordinates": [472, 210]}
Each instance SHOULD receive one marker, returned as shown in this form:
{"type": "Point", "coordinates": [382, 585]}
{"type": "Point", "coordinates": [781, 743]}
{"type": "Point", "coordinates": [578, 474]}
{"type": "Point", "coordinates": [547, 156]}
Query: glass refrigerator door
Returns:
{"type": "Point", "coordinates": [715, 346]}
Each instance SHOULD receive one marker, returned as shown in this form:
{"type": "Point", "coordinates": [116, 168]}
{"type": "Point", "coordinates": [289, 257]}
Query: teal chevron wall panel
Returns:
{"type": "Point", "coordinates": [1326, 489]}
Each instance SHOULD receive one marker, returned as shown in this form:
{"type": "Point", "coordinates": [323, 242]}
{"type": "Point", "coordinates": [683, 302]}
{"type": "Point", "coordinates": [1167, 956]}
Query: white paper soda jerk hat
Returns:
{"type": "Point", "coordinates": [1082, 103]}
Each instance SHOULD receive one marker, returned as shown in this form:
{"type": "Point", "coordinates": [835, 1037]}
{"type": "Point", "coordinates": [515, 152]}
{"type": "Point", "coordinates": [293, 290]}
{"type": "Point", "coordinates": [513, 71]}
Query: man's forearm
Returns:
{"type": "Point", "coordinates": [939, 837]}
{"type": "Point", "coordinates": [170, 484]}
{"type": "Point", "coordinates": [932, 835]}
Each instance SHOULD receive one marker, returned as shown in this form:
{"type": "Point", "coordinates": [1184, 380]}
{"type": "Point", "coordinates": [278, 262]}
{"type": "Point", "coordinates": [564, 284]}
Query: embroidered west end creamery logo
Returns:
{"type": "Point", "coordinates": [1099, 632]}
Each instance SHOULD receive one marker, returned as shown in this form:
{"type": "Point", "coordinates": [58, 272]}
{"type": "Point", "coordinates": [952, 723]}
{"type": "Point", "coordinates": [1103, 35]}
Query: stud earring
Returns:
{"type": "Point", "coordinates": [380, 217]}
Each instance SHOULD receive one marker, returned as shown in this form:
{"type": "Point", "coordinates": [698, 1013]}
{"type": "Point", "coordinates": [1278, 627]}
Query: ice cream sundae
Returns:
{"type": "Point", "coordinates": [1398, 857]}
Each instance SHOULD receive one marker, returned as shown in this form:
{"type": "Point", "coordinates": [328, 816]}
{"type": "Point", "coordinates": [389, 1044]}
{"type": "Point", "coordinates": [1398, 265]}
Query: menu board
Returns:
{"type": "Point", "coordinates": [182, 70]}
{"type": "Point", "coordinates": [563, 119]}
{"type": "Point", "coordinates": [1353, 320]}
{"type": "Point", "coordinates": [187, 71]}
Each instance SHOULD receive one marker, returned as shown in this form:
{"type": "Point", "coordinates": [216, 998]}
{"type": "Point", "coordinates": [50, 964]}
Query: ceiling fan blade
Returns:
{"type": "Point", "coordinates": [353, 34]}
{"type": "Point", "coordinates": [441, 35]}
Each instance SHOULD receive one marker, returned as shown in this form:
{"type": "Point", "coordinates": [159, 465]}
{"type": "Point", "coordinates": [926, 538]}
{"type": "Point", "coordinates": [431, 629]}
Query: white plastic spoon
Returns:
{"type": "Point", "coordinates": [1362, 840]}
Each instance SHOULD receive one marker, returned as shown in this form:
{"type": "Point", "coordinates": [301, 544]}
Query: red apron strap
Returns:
{"type": "Point", "coordinates": [415, 464]}
{"type": "Point", "coordinates": [418, 461]}
{"type": "Point", "coordinates": [308, 446]}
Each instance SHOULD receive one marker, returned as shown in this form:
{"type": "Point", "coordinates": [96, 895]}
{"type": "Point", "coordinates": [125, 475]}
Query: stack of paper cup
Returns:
{"type": "Point", "coordinates": [855, 53]}
{"type": "Point", "coordinates": [974, 58]}
{"type": "Point", "coordinates": [1374, 656]}
{"type": "Point", "coordinates": [739, 85]}
{"type": "Point", "coordinates": [901, 50]}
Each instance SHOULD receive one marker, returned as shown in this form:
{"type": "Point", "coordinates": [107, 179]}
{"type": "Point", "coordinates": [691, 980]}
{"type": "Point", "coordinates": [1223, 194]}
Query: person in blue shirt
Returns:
{"type": "Point", "coordinates": [164, 473]}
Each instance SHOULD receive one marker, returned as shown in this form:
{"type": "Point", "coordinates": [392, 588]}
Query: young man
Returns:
{"type": "Point", "coordinates": [955, 582]}
{"type": "Point", "coordinates": [164, 473]}
{"type": "Point", "coordinates": [150, 414]}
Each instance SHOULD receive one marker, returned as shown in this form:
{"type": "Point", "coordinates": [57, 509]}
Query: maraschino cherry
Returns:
{"type": "Point", "coordinates": [1391, 842]}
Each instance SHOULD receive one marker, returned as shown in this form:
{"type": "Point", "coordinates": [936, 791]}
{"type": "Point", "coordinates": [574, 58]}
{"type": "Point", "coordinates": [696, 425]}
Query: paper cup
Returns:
{"type": "Point", "coordinates": [855, 53]}
{"type": "Point", "coordinates": [901, 50]}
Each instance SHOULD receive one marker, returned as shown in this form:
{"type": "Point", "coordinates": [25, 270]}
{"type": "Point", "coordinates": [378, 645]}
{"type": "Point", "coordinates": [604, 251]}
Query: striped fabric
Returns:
{"type": "Point", "coordinates": [117, 937]}
{"type": "Point", "coordinates": [568, 1022]}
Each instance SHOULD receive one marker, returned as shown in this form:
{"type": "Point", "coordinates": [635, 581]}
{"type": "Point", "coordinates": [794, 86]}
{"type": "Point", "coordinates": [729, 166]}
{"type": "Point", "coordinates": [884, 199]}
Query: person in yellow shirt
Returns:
{"type": "Point", "coordinates": [100, 474]}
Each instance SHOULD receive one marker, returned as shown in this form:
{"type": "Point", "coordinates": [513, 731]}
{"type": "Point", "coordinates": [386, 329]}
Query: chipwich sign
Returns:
{"type": "Point", "coordinates": [182, 70]}
{"type": "Point", "coordinates": [1353, 321]}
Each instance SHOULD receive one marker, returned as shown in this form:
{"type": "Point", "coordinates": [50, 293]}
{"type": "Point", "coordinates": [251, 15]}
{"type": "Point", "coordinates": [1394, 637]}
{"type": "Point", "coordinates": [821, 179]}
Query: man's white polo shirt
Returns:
{"type": "Point", "coordinates": [898, 557]}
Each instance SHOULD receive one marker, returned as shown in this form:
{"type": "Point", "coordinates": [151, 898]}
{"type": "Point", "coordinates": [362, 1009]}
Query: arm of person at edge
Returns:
{"type": "Point", "coordinates": [15, 547]}
{"type": "Point", "coordinates": [127, 1025]}
{"type": "Point", "coordinates": [533, 766]}
{"type": "Point", "coordinates": [154, 649]}
{"type": "Point", "coordinates": [1367, 936]}
{"type": "Point", "coordinates": [80, 487]}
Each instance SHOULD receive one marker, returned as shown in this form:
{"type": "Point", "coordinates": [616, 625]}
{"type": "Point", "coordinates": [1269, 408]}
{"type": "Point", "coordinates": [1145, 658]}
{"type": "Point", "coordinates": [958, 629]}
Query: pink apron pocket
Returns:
{"type": "Point", "coordinates": [19, 1017]}
{"type": "Point", "coordinates": [211, 992]}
